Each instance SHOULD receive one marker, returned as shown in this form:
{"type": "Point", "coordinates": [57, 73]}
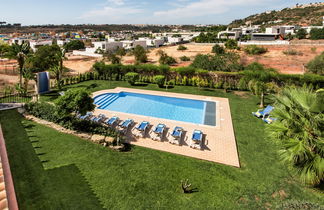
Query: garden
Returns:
{"type": "Point", "coordinates": [56, 170]}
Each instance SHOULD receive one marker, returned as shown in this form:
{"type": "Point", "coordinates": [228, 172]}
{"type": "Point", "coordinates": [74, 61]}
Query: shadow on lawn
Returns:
{"type": "Point", "coordinates": [36, 188]}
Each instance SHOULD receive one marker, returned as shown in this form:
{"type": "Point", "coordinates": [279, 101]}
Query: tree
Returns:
{"type": "Point", "coordinates": [165, 59]}
{"type": "Point", "coordinates": [47, 56]}
{"type": "Point", "coordinates": [299, 130]}
{"type": "Point", "coordinates": [140, 54]}
{"type": "Point", "coordinates": [74, 45]}
{"type": "Point", "coordinates": [220, 62]}
{"type": "Point", "coordinates": [75, 101]}
{"type": "Point", "coordinates": [4, 49]}
{"type": "Point", "coordinates": [317, 33]}
{"type": "Point", "coordinates": [231, 44]}
{"type": "Point", "coordinates": [260, 80]}
{"type": "Point", "coordinates": [301, 33]}
{"type": "Point", "coordinates": [59, 69]}
{"type": "Point", "coordinates": [112, 57]}
{"type": "Point", "coordinates": [19, 52]}
{"type": "Point", "coordinates": [316, 65]}
{"type": "Point", "coordinates": [217, 49]}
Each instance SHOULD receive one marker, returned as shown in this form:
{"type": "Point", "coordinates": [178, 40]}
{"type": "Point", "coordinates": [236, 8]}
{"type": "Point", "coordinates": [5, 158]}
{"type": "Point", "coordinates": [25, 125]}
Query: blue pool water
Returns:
{"type": "Point", "coordinates": [186, 110]}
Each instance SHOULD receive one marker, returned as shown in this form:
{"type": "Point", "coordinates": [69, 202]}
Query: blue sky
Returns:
{"type": "Point", "coordinates": [31, 12]}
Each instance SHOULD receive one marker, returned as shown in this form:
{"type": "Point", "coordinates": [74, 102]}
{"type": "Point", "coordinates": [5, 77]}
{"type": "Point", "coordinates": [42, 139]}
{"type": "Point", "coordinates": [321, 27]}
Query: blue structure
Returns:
{"type": "Point", "coordinates": [43, 82]}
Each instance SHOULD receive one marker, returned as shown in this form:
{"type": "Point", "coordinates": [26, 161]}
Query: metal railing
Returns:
{"type": "Point", "coordinates": [16, 97]}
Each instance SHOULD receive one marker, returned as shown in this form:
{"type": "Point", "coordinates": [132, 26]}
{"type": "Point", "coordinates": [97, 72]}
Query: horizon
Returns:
{"type": "Point", "coordinates": [138, 12]}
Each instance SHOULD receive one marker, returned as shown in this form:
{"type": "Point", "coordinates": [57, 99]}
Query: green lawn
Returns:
{"type": "Point", "coordinates": [52, 170]}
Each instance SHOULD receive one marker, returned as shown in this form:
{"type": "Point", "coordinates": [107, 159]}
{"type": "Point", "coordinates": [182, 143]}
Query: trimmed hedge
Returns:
{"type": "Point", "coordinates": [189, 76]}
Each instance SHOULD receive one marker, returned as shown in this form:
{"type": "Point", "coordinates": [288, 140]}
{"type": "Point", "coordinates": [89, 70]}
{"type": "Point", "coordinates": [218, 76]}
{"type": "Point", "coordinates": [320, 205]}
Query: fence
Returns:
{"type": "Point", "coordinates": [16, 97]}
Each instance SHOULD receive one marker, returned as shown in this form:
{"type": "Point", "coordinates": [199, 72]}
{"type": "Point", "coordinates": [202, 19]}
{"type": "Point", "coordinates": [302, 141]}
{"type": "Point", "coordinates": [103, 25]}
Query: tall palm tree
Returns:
{"type": "Point", "coordinates": [19, 52]}
{"type": "Point", "coordinates": [299, 130]}
{"type": "Point", "coordinates": [58, 69]}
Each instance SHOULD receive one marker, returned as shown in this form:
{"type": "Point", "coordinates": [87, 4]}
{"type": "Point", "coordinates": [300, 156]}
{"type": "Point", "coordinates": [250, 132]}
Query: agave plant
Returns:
{"type": "Point", "coordinates": [299, 130]}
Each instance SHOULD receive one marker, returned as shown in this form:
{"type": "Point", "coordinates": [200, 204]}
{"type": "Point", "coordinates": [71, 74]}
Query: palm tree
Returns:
{"type": "Point", "coordinates": [58, 70]}
{"type": "Point", "coordinates": [260, 80]}
{"type": "Point", "coordinates": [299, 130]}
{"type": "Point", "coordinates": [19, 52]}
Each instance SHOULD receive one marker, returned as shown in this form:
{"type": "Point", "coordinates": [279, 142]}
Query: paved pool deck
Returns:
{"type": "Point", "coordinates": [219, 144]}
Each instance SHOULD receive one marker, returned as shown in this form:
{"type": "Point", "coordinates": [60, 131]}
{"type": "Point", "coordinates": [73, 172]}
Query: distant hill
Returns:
{"type": "Point", "coordinates": [310, 14]}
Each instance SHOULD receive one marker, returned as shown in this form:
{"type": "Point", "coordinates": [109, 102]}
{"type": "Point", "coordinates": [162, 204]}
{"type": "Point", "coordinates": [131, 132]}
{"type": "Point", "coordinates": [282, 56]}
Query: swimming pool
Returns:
{"type": "Point", "coordinates": [179, 109]}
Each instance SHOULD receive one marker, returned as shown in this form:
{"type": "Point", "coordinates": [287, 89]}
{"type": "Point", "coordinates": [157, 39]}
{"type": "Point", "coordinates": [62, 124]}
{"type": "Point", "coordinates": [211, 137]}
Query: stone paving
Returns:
{"type": "Point", "coordinates": [219, 144]}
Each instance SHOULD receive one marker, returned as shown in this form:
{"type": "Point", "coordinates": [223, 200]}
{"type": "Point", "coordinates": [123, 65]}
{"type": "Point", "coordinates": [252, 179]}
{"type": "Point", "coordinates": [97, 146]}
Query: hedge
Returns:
{"type": "Point", "coordinates": [191, 76]}
{"type": "Point", "coordinates": [47, 111]}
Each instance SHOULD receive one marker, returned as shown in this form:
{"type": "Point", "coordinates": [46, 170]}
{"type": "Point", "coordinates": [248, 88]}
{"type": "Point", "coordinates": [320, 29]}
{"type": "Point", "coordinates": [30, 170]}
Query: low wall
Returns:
{"type": "Point", "coordinates": [7, 191]}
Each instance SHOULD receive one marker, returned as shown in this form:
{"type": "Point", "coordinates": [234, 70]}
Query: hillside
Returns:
{"type": "Point", "coordinates": [302, 15]}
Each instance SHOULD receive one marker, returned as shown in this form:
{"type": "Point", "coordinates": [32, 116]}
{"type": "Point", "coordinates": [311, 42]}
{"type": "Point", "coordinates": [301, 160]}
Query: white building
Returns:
{"type": "Point", "coordinates": [36, 44]}
{"type": "Point", "coordinates": [175, 40]}
{"type": "Point", "coordinates": [229, 34]}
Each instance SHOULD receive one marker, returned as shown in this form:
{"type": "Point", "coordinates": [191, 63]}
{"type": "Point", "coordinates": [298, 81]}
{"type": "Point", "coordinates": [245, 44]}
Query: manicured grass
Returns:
{"type": "Point", "coordinates": [57, 171]}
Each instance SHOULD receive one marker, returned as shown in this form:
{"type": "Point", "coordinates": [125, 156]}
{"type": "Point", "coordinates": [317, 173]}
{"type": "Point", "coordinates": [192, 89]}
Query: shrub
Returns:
{"type": "Point", "coordinates": [47, 111]}
{"type": "Point", "coordinates": [317, 33]}
{"type": "Point", "coordinates": [254, 50]}
{"type": "Point", "coordinates": [292, 52]}
{"type": "Point", "coordinates": [301, 33]}
{"type": "Point", "coordinates": [181, 47]}
{"type": "Point", "coordinates": [131, 77]}
{"type": "Point", "coordinates": [231, 44]}
{"type": "Point", "coordinates": [140, 54]}
{"type": "Point", "coordinates": [218, 49]}
{"type": "Point", "coordinates": [43, 110]}
{"type": "Point", "coordinates": [75, 100]}
{"type": "Point", "coordinates": [165, 59]}
{"type": "Point", "coordinates": [74, 45]}
{"type": "Point", "coordinates": [159, 80]}
{"type": "Point", "coordinates": [316, 65]}
{"type": "Point", "coordinates": [184, 58]}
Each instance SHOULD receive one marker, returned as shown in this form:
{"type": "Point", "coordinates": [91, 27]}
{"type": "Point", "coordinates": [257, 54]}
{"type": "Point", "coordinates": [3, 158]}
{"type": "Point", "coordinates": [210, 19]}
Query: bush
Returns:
{"type": "Point", "coordinates": [159, 80]}
{"type": "Point", "coordinates": [218, 49]}
{"type": "Point", "coordinates": [301, 34]}
{"type": "Point", "coordinates": [254, 50]}
{"type": "Point", "coordinates": [292, 52]}
{"type": "Point", "coordinates": [131, 77]}
{"type": "Point", "coordinates": [43, 110]}
{"type": "Point", "coordinates": [181, 47]}
{"type": "Point", "coordinates": [75, 100]}
{"type": "Point", "coordinates": [184, 58]}
{"type": "Point", "coordinates": [47, 111]}
{"type": "Point", "coordinates": [140, 54]}
{"type": "Point", "coordinates": [317, 33]}
{"type": "Point", "coordinates": [231, 44]}
{"type": "Point", "coordinates": [74, 45]}
{"type": "Point", "coordinates": [316, 65]}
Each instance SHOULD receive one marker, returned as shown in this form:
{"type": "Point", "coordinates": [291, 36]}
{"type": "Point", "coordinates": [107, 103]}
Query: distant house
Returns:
{"type": "Point", "coordinates": [141, 43]}
{"type": "Point", "coordinates": [36, 44]}
{"type": "Point", "coordinates": [233, 34]}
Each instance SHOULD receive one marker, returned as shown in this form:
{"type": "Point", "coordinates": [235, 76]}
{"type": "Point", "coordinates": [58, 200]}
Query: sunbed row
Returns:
{"type": "Point", "coordinates": [157, 134]}
{"type": "Point", "coordinates": [265, 114]}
